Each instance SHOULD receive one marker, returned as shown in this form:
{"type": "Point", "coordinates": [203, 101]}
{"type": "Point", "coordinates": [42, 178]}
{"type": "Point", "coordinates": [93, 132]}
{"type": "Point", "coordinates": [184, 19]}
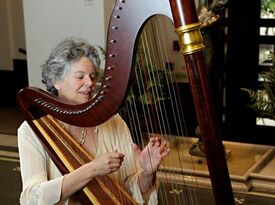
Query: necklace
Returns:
{"type": "Point", "coordinates": [83, 135]}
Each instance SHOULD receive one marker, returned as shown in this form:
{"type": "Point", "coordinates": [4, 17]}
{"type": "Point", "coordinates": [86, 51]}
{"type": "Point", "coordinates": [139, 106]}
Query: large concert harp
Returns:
{"type": "Point", "coordinates": [128, 17]}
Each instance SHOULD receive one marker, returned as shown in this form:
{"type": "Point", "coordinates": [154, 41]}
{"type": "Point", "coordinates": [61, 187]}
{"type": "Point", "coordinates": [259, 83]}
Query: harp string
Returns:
{"type": "Point", "coordinates": [151, 59]}
{"type": "Point", "coordinates": [177, 109]}
{"type": "Point", "coordinates": [133, 111]}
{"type": "Point", "coordinates": [155, 119]}
{"type": "Point", "coordinates": [154, 59]}
{"type": "Point", "coordinates": [123, 167]}
{"type": "Point", "coordinates": [176, 105]}
{"type": "Point", "coordinates": [76, 156]}
{"type": "Point", "coordinates": [162, 37]}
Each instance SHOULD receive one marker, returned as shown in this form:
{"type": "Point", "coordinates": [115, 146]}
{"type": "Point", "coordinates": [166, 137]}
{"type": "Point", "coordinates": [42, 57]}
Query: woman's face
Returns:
{"type": "Point", "coordinates": [78, 85]}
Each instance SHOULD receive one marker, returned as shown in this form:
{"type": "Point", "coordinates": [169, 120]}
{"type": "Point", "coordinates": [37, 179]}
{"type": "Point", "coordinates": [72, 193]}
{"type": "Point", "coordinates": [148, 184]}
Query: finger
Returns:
{"type": "Point", "coordinates": [163, 146]}
{"type": "Point", "coordinates": [116, 160]}
{"type": "Point", "coordinates": [115, 155]}
{"type": "Point", "coordinates": [165, 153]}
{"type": "Point", "coordinates": [158, 141]}
{"type": "Point", "coordinates": [115, 166]}
{"type": "Point", "coordinates": [152, 141]}
{"type": "Point", "coordinates": [136, 149]}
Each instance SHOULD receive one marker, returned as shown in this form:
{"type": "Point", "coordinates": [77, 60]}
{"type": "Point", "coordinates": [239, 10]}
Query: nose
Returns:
{"type": "Point", "coordinates": [89, 81]}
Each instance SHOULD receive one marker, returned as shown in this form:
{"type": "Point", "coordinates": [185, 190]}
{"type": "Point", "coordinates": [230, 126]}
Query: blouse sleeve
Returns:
{"type": "Point", "coordinates": [132, 168]}
{"type": "Point", "coordinates": [37, 188]}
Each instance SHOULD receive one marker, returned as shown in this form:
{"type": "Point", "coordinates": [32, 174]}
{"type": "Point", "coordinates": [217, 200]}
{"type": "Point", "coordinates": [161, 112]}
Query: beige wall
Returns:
{"type": "Point", "coordinates": [48, 22]}
{"type": "Point", "coordinates": [12, 34]}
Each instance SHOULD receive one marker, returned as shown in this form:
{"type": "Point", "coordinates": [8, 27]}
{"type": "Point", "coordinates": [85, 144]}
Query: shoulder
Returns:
{"type": "Point", "coordinates": [115, 126]}
{"type": "Point", "coordinates": [24, 128]}
{"type": "Point", "coordinates": [118, 119]}
{"type": "Point", "coordinates": [116, 122]}
{"type": "Point", "coordinates": [26, 135]}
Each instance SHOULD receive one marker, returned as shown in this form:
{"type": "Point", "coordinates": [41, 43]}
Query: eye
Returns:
{"type": "Point", "coordinates": [93, 77]}
{"type": "Point", "coordinates": [79, 76]}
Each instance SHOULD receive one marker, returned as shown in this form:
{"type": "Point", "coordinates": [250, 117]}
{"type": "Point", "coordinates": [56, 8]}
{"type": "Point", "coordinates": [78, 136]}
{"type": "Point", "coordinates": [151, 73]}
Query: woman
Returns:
{"type": "Point", "coordinates": [69, 73]}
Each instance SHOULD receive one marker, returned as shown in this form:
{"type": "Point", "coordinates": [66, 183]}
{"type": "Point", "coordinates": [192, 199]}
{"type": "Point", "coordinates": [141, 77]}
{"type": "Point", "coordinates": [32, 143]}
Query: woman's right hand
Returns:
{"type": "Point", "coordinates": [106, 163]}
{"type": "Point", "coordinates": [99, 166]}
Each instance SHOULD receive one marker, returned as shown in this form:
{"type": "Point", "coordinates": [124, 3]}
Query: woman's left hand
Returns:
{"type": "Point", "coordinates": [151, 156]}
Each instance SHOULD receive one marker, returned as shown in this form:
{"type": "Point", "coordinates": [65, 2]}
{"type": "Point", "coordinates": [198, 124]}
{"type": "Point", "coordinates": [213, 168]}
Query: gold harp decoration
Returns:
{"type": "Point", "coordinates": [190, 38]}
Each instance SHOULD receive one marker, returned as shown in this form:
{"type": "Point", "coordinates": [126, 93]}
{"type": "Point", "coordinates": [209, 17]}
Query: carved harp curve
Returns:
{"type": "Point", "coordinates": [128, 17]}
{"type": "Point", "coordinates": [126, 21]}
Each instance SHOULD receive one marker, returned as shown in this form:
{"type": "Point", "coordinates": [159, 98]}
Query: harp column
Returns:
{"type": "Point", "coordinates": [190, 39]}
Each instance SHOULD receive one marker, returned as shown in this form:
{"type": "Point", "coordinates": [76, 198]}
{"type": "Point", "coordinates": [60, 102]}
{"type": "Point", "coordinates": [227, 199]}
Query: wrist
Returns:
{"type": "Point", "coordinates": [146, 173]}
{"type": "Point", "coordinates": [146, 181]}
{"type": "Point", "coordinates": [89, 170]}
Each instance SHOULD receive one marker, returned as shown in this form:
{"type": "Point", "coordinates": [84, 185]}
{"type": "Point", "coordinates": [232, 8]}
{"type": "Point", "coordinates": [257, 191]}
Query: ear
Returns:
{"type": "Point", "coordinates": [57, 85]}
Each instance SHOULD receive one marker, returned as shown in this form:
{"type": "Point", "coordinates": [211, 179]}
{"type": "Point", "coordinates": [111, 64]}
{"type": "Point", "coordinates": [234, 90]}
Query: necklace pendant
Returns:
{"type": "Point", "coordinates": [83, 136]}
{"type": "Point", "coordinates": [81, 141]}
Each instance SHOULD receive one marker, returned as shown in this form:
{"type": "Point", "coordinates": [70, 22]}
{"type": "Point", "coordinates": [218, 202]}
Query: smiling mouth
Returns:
{"type": "Point", "coordinates": [86, 93]}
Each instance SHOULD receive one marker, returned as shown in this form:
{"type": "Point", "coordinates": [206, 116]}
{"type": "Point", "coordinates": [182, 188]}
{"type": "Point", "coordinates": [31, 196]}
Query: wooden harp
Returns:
{"type": "Point", "coordinates": [127, 18]}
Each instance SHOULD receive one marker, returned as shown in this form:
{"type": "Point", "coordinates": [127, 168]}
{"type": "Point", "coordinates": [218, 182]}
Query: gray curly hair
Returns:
{"type": "Point", "coordinates": [68, 51]}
